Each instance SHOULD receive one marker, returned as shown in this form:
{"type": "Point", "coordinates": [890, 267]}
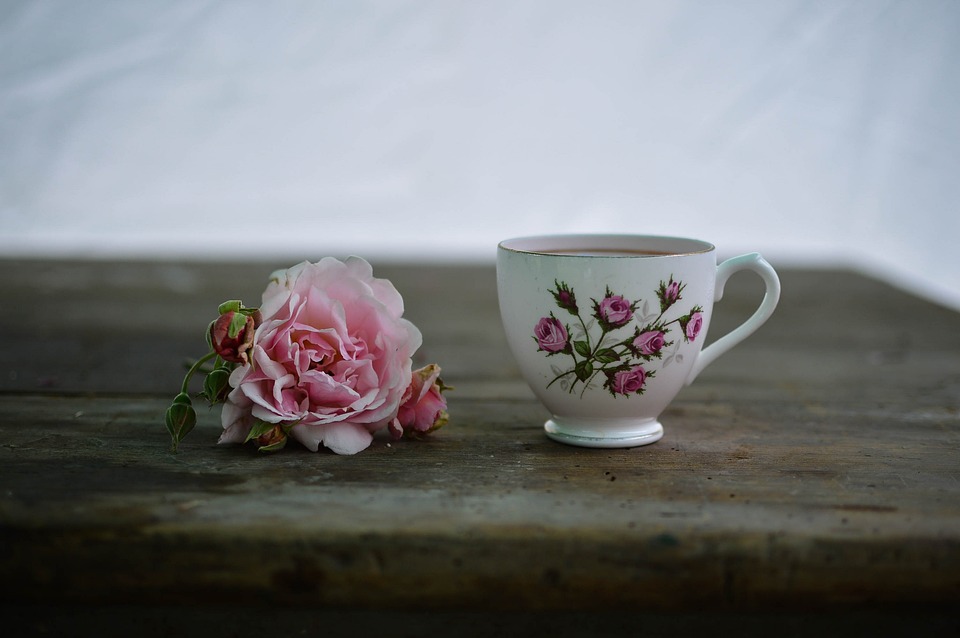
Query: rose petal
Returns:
{"type": "Point", "coordinates": [236, 432]}
{"type": "Point", "coordinates": [341, 438]}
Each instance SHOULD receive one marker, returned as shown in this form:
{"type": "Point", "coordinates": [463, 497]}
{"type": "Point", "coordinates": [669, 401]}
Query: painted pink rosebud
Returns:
{"type": "Point", "coordinates": [423, 408]}
{"type": "Point", "coordinates": [649, 342]}
{"type": "Point", "coordinates": [669, 293]}
{"type": "Point", "coordinates": [565, 298]}
{"type": "Point", "coordinates": [231, 336]}
{"type": "Point", "coordinates": [629, 381]}
{"type": "Point", "coordinates": [672, 292]}
{"type": "Point", "coordinates": [694, 324]}
{"type": "Point", "coordinates": [614, 310]}
{"type": "Point", "coordinates": [551, 335]}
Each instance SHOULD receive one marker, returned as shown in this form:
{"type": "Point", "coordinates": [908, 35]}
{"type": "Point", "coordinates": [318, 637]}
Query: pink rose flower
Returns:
{"type": "Point", "coordinates": [332, 358]}
{"type": "Point", "coordinates": [550, 334]}
{"type": "Point", "coordinates": [629, 381]}
{"type": "Point", "coordinates": [694, 325]}
{"type": "Point", "coordinates": [649, 342]}
{"type": "Point", "coordinates": [423, 409]}
{"type": "Point", "coordinates": [615, 310]}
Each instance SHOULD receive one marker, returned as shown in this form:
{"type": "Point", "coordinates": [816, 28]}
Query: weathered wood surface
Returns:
{"type": "Point", "coordinates": [814, 468]}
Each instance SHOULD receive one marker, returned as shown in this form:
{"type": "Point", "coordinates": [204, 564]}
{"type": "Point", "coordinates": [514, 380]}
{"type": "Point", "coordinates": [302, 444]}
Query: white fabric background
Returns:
{"type": "Point", "coordinates": [813, 131]}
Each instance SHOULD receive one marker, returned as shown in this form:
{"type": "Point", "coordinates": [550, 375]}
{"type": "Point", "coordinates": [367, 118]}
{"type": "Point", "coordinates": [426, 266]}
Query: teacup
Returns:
{"type": "Point", "coordinates": [607, 329]}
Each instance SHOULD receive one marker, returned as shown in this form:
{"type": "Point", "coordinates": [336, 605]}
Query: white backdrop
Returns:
{"type": "Point", "coordinates": [813, 131]}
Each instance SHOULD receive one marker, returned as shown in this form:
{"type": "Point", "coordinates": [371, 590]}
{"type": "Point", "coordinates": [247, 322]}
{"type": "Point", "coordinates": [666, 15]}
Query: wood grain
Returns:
{"type": "Point", "coordinates": [815, 467]}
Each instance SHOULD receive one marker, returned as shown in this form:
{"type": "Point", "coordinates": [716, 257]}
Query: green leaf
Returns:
{"type": "Point", "coordinates": [607, 355]}
{"type": "Point", "coordinates": [216, 384]}
{"type": "Point", "coordinates": [233, 305]}
{"type": "Point", "coordinates": [237, 323]}
{"type": "Point", "coordinates": [582, 348]}
{"type": "Point", "coordinates": [259, 428]}
{"type": "Point", "coordinates": [183, 398]}
{"type": "Point", "coordinates": [273, 447]}
{"type": "Point", "coordinates": [584, 370]}
{"type": "Point", "coordinates": [180, 419]}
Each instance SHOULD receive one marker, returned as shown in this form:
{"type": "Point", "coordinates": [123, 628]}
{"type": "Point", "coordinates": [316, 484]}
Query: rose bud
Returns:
{"type": "Point", "coordinates": [231, 336]}
{"type": "Point", "coordinates": [272, 440]}
{"type": "Point", "coordinates": [669, 294]}
{"type": "Point", "coordinates": [423, 409]}
{"type": "Point", "coordinates": [565, 298]}
{"type": "Point", "coordinates": [216, 385]}
{"type": "Point", "coordinates": [180, 418]}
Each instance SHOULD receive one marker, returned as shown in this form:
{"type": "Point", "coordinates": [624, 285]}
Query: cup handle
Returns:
{"type": "Point", "coordinates": [759, 265]}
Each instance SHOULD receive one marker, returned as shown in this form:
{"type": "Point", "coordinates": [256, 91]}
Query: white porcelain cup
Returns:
{"type": "Point", "coordinates": [607, 329]}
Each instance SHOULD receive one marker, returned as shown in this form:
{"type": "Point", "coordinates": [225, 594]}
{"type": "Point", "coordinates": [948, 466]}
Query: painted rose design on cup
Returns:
{"type": "Point", "coordinates": [621, 342]}
{"type": "Point", "coordinates": [607, 329]}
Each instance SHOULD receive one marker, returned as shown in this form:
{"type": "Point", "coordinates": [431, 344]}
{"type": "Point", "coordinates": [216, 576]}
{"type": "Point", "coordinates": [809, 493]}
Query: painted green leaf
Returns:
{"type": "Point", "coordinates": [607, 355]}
{"type": "Point", "coordinates": [584, 370]}
{"type": "Point", "coordinates": [582, 348]}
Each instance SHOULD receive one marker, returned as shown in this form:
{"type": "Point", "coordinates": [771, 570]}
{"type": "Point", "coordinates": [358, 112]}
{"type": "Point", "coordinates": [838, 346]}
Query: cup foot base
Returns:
{"type": "Point", "coordinates": [632, 435]}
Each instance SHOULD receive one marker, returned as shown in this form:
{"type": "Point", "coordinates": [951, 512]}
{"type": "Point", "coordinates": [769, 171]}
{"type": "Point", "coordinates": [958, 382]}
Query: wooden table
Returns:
{"type": "Point", "coordinates": [807, 481]}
